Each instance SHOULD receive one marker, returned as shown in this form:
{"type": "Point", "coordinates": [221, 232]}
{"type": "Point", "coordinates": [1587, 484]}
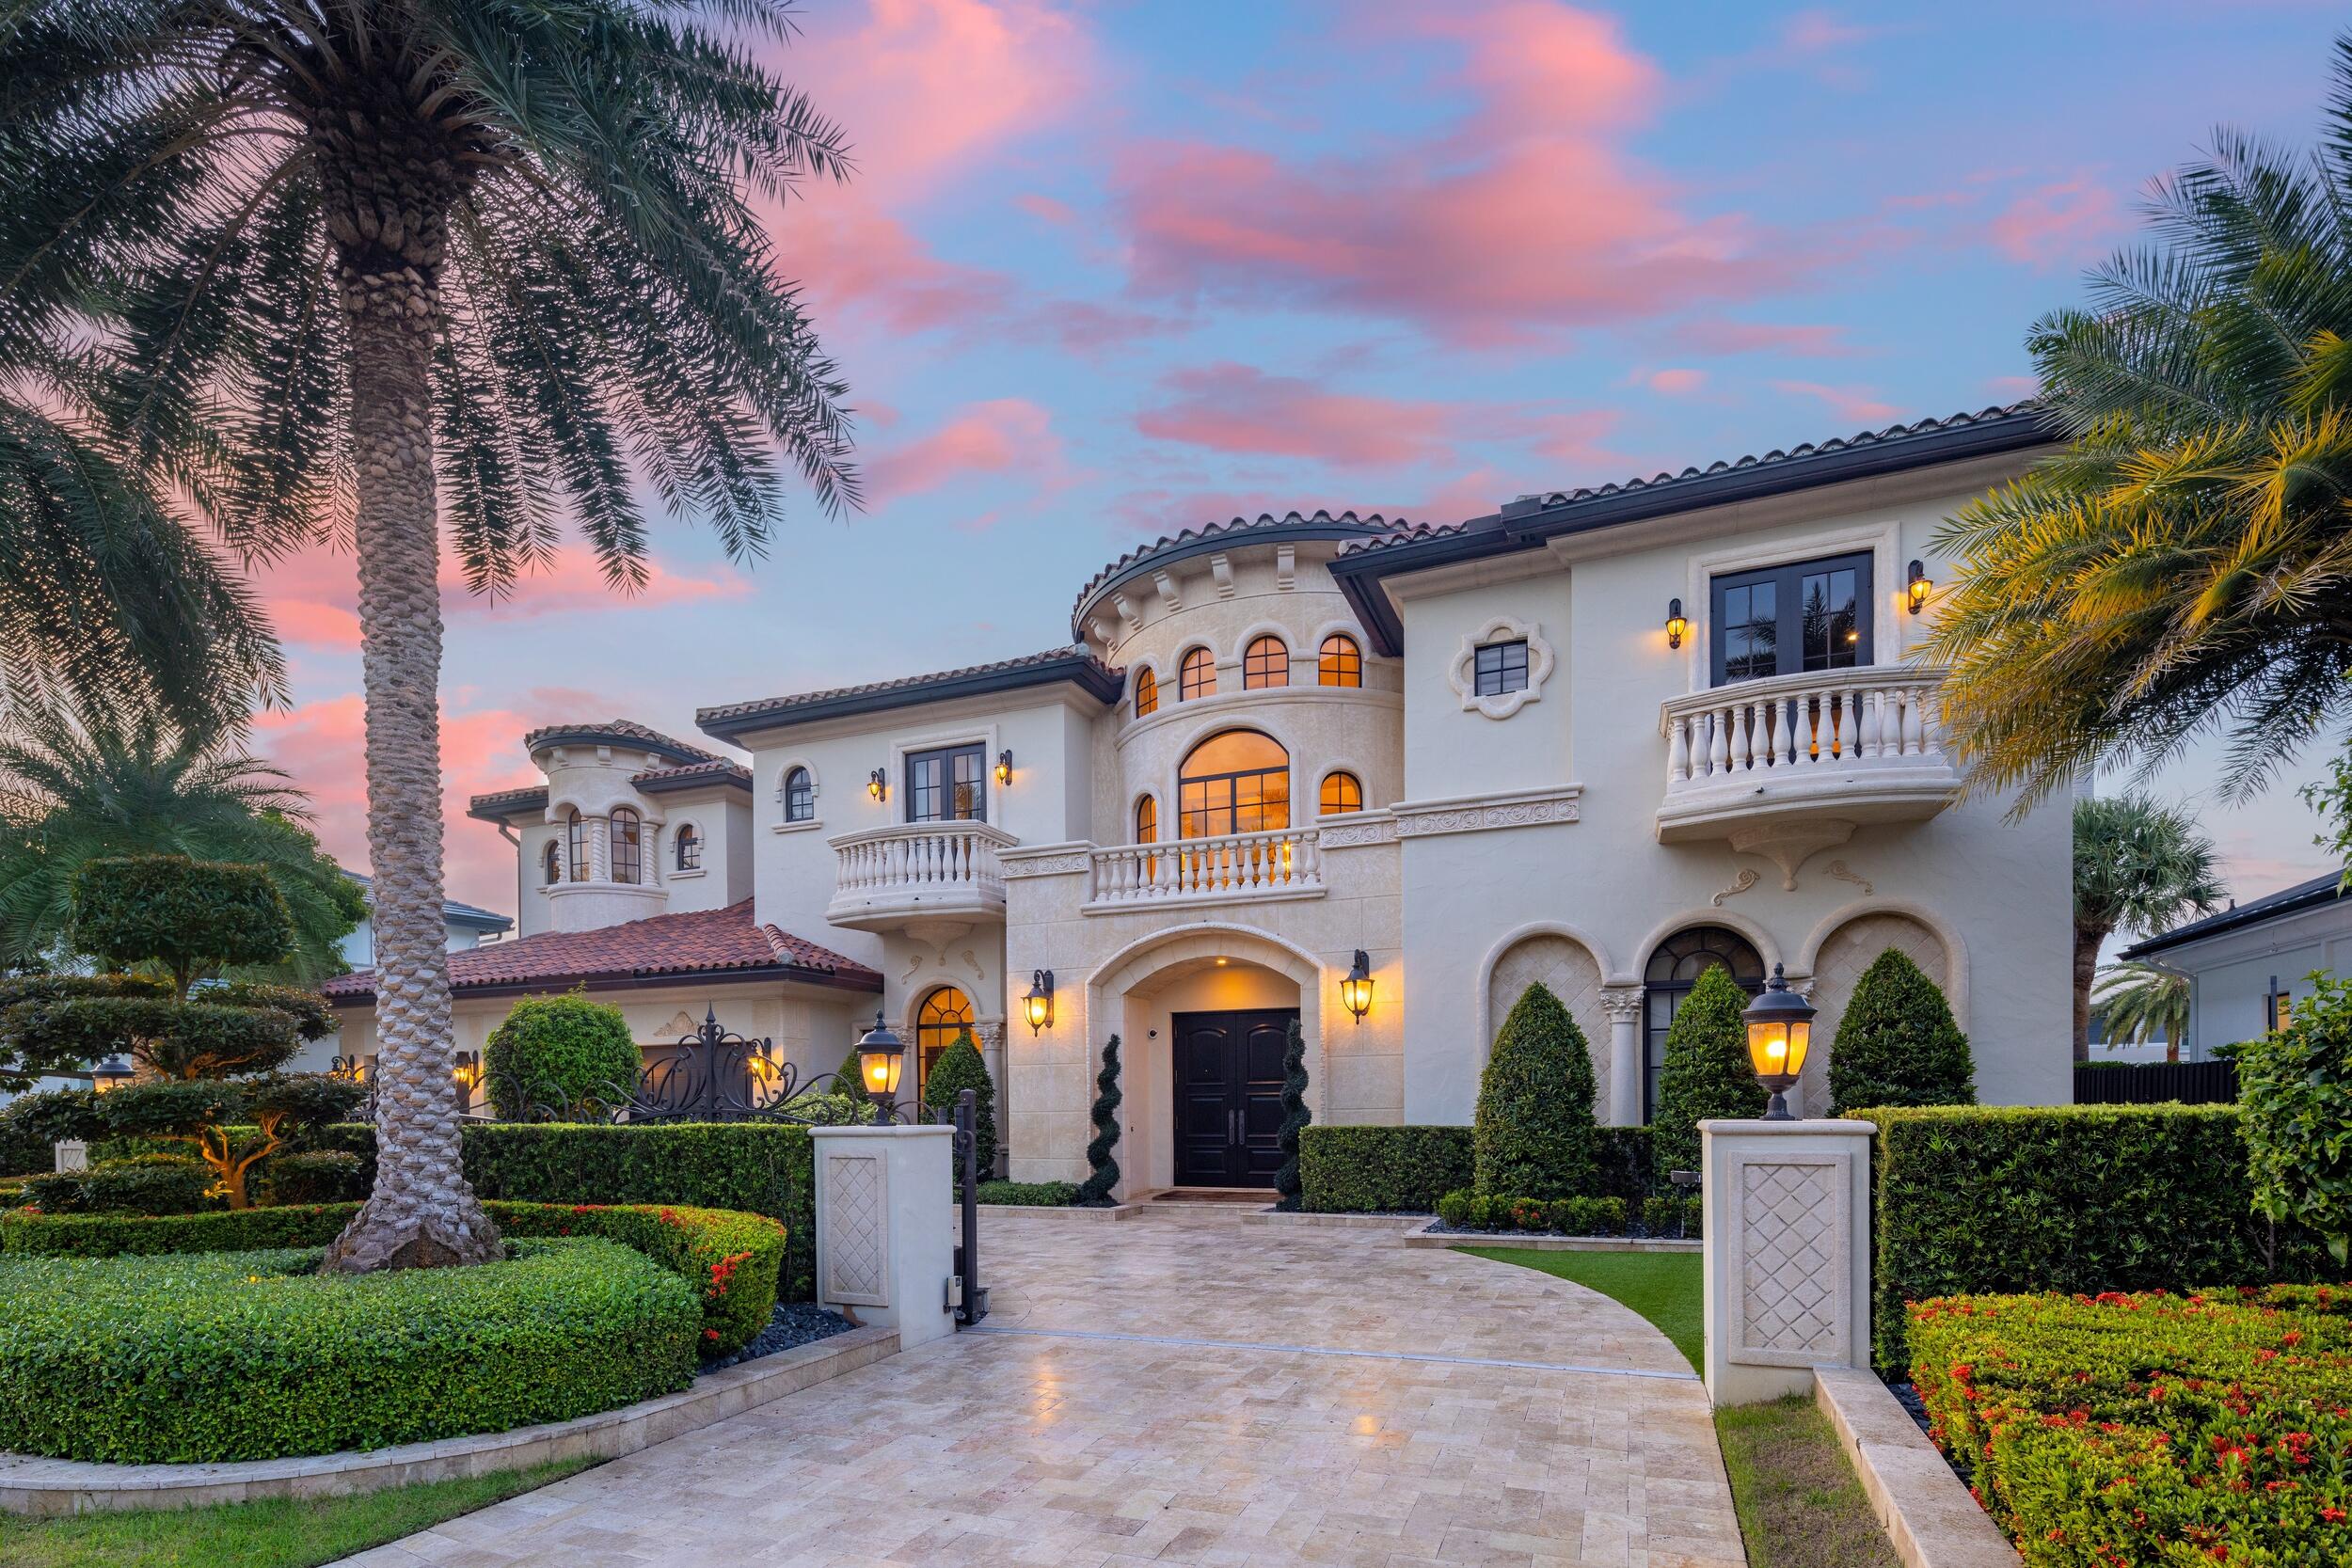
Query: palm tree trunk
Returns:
{"type": "Point", "coordinates": [422, 1212]}
{"type": "Point", "coordinates": [2086, 941]}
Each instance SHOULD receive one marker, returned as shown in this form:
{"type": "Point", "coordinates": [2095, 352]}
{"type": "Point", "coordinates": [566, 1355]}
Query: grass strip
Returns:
{"type": "Point", "coordinates": [1800, 1505]}
{"type": "Point", "coordinates": [1664, 1287]}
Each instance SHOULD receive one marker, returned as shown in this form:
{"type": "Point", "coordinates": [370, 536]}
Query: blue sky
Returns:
{"type": "Point", "coordinates": [1111, 270]}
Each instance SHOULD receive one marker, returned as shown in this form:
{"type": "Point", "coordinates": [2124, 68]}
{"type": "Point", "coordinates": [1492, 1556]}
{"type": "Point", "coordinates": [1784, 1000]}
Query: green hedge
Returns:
{"type": "Point", "coordinates": [730, 1259]}
{"type": "Point", "coordinates": [140, 1184]}
{"type": "Point", "coordinates": [235, 1355]}
{"type": "Point", "coordinates": [1028, 1194]}
{"type": "Point", "coordinates": [2085, 1199]}
{"type": "Point", "coordinates": [2149, 1428]}
{"type": "Point", "coordinates": [1354, 1170]}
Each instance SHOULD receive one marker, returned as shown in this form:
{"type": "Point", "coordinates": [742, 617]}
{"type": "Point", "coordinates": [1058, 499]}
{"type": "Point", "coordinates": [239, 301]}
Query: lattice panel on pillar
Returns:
{"type": "Point", "coordinates": [1793, 1264]}
{"type": "Point", "coordinates": [857, 1230]}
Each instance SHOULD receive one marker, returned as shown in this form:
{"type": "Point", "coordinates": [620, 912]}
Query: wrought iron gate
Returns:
{"type": "Point", "coordinates": [971, 1295]}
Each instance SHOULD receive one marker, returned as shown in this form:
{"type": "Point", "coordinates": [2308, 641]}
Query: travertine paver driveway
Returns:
{"type": "Point", "coordinates": [1186, 1388]}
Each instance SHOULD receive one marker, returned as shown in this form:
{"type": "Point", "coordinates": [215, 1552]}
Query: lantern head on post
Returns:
{"type": "Point", "coordinates": [1040, 1002]}
{"type": "Point", "coordinates": [112, 1073]}
{"type": "Point", "coordinates": [1780, 1032]}
{"type": "Point", "coordinates": [1677, 624]}
{"type": "Point", "coordinates": [880, 1057]}
{"type": "Point", "coordinates": [1356, 990]}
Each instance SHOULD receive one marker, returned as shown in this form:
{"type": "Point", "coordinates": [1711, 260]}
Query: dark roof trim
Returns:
{"type": "Point", "coordinates": [1076, 667]}
{"type": "Point", "coordinates": [507, 803]}
{"type": "Point", "coordinates": [2318, 893]}
{"type": "Point", "coordinates": [1238, 534]}
{"type": "Point", "coordinates": [1532, 521]}
{"type": "Point", "coordinates": [630, 979]}
{"type": "Point", "coordinates": [730, 777]}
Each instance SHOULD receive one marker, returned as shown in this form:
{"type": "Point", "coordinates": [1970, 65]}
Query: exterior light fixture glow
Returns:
{"type": "Point", "coordinates": [1780, 1032]}
{"type": "Point", "coordinates": [881, 1057]}
{"type": "Point", "coordinates": [878, 785]}
{"type": "Point", "coordinates": [1038, 1003]}
{"type": "Point", "coordinates": [1356, 991]}
{"type": "Point", "coordinates": [1004, 765]}
{"type": "Point", "coordinates": [1677, 624]}
{"type": "Point", "coordinates": [112, 1073]}
{"type": "Point", "coordinates": [1918, 587]}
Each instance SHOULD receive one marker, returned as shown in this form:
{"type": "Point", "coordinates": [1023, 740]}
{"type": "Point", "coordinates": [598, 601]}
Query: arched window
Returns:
{"type": "Point", "coordinates": [628, 863]}
{"type": "Point", "coordinates": [690, 848]}
{"type": "Point", "coordinates": [1340, 661]}
{"type": "Point", "coordinates": [1147, 820]}
{"type": "Point", "coordinates": [576, 836]}
{"type": "Point", "coordinates": [1673, 970]}
{"type": "Point", "coordinates": [552, 863]}
{"type": "Point", "coordinates": [1146, 694]}
{"type": "Point", "coordinates": [1235, 782]}
{"type": "Point", "coordinates": [1266, 663]}
{"type": "Point", "coordinates": [943, 1015]}
{"type": "Point", "coordinates": [800, 796]}
{"type": "Point", "coordinates": [1197, 676]}
{"type": "Point", "coordinates": [1342, 791]}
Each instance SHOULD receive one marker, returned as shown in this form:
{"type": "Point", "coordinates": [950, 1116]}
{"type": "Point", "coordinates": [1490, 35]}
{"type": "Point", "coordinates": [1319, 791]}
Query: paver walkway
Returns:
{"type": "Point", "coordinates": [1185, 1389]}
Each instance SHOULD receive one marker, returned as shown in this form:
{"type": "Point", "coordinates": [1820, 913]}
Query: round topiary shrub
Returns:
{"type": "Point", "coordinates": [1898, 1043]}
{"type": "Point", "coordinates": [562, 1058]}
{"type": "Point", "coordinates": [1706, 1074]}
{"type": "Point", "coordinates": [204, 1357]}
{"type": "Point", "coordinates": [1533, 1135]}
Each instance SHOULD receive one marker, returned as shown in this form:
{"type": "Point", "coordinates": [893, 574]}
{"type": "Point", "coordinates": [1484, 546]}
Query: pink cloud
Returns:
{"type": "Point", "coordinates": [1236, 408]}
{"type": "Point", "coordinates": [1847, 403]}
{"type": "Point", "coordinates": [2056, 223]}
{"type": "Point", "coordinates": [1717, 336]}
{"type": "Point", "coordinates": [1675, 382]}
{"type": "Point", "coordinates": [853, 257]}
{"type": "Point", "coordinates": [1527, 216]}
{"type": "Point", "coordinates": [1059, 213]}
{"type": "Point", "coordinates": [1001, 435]}
{"type": "Point", "coordinates": [2010, 389]}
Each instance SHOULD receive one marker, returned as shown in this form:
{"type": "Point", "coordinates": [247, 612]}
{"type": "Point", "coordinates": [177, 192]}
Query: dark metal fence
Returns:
{"type": "Point", "coordinates": [2150, 1083]}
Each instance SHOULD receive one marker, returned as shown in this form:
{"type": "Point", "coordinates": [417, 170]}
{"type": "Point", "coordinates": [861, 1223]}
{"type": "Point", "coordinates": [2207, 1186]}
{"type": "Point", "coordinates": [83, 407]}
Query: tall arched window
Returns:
{"type": "Point", "coordinates": [1235, 782]}
{"type": "Point", "coordinates": [800, 796]}
{"type": "Point", "coordinates": [1147, 820]}
{"type": "Point", "coordinates": [627, 835]}
{"type": "Point", "coordinates": [1343, 792]}
{"type": "Point", "coordinates": [1673, 970]}
{"type": "Point", "coordinates": [552, 863]}
{"type": "Point", "coordinates": [1146, 694]}
{"type": "Point", "coordinates": [943, 1015]}
{"type": "Point", "coordinates": [575, 841]}
{"type": "Point", "coordinates": [690, 847]}
{"type": "Point", "coordinates": [1266, 663]}
{"type": "Point", "coordinates": [1197, 676]}
{"type": "Point", "coordinates": [1340, 662]}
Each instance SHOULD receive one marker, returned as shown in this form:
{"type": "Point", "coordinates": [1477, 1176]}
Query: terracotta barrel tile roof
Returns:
{"type": "Point", "coordinates": [627, 731]}
{"type": "Point", "coordinates": [715, 943]}
{"type": "Point", "coordinates": [1053, 664]}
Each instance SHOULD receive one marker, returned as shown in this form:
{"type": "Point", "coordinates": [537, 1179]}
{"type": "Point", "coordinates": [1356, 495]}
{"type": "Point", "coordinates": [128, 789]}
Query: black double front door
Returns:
{"type": "Point", "coordinates": [1228, 1096]}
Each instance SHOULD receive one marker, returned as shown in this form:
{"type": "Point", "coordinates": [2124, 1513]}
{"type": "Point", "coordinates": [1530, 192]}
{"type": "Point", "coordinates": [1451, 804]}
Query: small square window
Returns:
{"type": "Point", "coordinates": [1500, 667]}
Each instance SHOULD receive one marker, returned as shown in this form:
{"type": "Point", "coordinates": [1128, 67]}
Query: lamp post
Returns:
{"type": "Point", "coordinates": [112, 1073]}
{"type": "Point", "coordinates": [880, 1057]}
{"type": "Point", "coordinates": [1780, 1032]}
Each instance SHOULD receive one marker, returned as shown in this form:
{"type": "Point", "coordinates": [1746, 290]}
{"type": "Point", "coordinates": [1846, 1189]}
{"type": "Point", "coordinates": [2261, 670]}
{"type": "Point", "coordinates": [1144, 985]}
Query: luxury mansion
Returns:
{"type": "Point", "coordinates": [1599, 738]}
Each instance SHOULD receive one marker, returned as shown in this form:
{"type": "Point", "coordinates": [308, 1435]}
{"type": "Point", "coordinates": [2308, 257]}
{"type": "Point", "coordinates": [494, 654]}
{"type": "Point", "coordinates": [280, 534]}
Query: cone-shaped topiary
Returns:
{"type": "Point", "coordinates": [1706, 1073]}
{"type": "Point", "coordinates": [1296, 1119]}
{"type": "Point", "coordinates": [960, 1068]}
{"type": "Point", "coordinates": [1101, 1170]}
{"type": "Point", "coordinates": [1535, 1136]}
{"type": "Point", "coordinates": [1898, 1044]}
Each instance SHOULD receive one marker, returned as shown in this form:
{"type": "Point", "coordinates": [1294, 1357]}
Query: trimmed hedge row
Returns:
{"type": "Point", "coordinates": [218, 1357]}
{"type": "Point", "coordinates": [141, 1184]}
{"type": "Point", "coordinates": [1028, 1194]}
{"type": "Point", "coordinates": [1406, 1170]}
{"type": "Point", "coordinates": [1973, 1199]}
{"type": "Point", "coordinates": [1660, 1217]}
{"type": "Point", "coordinates": [730, 1259]}
{"type": "Point", "coordinates": [2149, 1428]}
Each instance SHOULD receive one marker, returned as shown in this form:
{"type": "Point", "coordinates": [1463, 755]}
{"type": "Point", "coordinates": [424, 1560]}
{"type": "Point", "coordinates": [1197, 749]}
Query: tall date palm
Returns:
{"type": "Point", "coordinates": [365, 266]}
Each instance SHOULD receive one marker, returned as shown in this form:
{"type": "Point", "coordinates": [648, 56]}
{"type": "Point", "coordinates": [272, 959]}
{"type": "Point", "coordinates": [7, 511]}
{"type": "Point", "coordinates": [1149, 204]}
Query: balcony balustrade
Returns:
{"type": "Point", "coordinates": [943, 874]}
{"type": "Point", "coordinates": [1226, 868]}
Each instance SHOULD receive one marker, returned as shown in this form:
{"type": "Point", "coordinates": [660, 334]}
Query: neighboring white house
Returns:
{"type": "Point", "coordinates": [2249, 965]}
{"type": "Point", "coordinates": [1599, 738]}
{"type": "Point", "coordinates": [468, 925]}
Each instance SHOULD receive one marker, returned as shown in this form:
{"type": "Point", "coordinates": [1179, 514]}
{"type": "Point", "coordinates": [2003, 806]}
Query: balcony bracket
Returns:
{"type": "Point", "coordinates": [1789, 843]}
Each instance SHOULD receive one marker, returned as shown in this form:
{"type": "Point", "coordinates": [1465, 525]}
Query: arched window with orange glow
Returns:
{"type": "Point", "coordinates": [1235, 782]}
{"type": "Point", "coordinates": [1197, 676]}
{"type": "Point", "coordinates": [1343, 792]}
{"type": "Point", "coordinates": [1266, 663]}
{"type": "Point", "coordinates": [1340, 662]}
{"type": "Point", "coordinates": [1147, 694]}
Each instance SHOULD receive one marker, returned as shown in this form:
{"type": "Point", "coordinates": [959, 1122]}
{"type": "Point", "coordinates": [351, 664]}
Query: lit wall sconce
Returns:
{"type": "Point", "coordinates": [1677, 624]}
{"type": "Point", "coordinates": [1780, 1033]}
{"type": "Point", "coordinates": [1040, 1002]}
{"type": "Point", "coordinates": [880, 1058]}
{"type": "Point", "coordinates": [1004, 767]}
{"type": "Point", "coordinates": [1356, 991]}
{"type": "Point", "coordinates": [878, 785]}
{"type": "Point", "coordinates": [468, 1070]}
{"type": "Point", "coordinates": [1919, 587]}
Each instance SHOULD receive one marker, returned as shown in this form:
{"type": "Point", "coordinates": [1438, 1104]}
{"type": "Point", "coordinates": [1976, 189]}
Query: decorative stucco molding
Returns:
{"type": "Point", "coordinates": [857, 1230]}
{"type": "Point", "coordinates": [1622, 1003]}
{"type": "Point", "coordinates": [1356, 830]}
{"type": "Point", "coordinates": [1837, 869]}
{"type": "Point", "coordinates": [1460, 674]}
{"type": "Point", "coordinates": [1739, 884]}
{"type": "Point", "coordinates": [1052, 863]}
{"type": "Point", "coordinates": [1471, 813]}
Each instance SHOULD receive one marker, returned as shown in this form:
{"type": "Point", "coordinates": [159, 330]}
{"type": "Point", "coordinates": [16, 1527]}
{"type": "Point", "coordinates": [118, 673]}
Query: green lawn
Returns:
{"type": "Point", "coordinates": [279, 1533]}
{"type": "Point", "coordinates": [1664, 1287]}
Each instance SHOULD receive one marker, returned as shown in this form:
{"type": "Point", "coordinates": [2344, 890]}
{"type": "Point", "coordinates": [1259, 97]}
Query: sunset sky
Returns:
{"type": "Point", "coordinates": [1108, 271]}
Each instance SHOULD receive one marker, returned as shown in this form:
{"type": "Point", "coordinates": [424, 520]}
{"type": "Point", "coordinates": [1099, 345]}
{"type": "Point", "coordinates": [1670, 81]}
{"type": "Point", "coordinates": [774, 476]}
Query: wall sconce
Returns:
{"type": "Point", "coordinates": [1040, 1002]}
{"type": "Point", "coordinates": [1004, 767]}
{"type": "Point", "coordinates": [1677, 624]}
{"type": "Point", "coordinates": [878, 785]}
{"type": "Point", "coordinates": [1356, 991]}
{"type": "Point", "coordinates": [1780, 1032]}
{"type": "Point", "coordinates": [467, 1072]}
{"type": "Point", "coordinates": [1919, 586]}
{"type": "Point", "coordinates": [881, 1057]}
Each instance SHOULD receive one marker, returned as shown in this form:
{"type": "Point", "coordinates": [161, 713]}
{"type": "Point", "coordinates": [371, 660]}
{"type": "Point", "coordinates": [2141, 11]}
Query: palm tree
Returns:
{"type": "Point", "coordinates": [346, 265]}
{"type": "Point", "coordinates": [122, 780]}
{"type": "Point", "coordinates": [2141, 1004]}
{"type": "Point", "coordinates": [2141, 868]}
{"type": "Point", "coordinates": [2183, 565]}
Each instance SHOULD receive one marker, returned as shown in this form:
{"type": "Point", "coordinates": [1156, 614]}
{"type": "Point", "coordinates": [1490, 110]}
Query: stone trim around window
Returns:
{"type": "Point", "coordinates": [1460, 674]}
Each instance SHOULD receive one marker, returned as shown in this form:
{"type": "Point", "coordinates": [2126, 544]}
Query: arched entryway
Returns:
{"type": "Point", "coordinates": [1675, 966]}
{"type": "Point", "coordinates": [939, 1017]}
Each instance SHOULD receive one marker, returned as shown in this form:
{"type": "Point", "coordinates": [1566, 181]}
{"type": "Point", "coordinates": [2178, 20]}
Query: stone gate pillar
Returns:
{"type": "Point", "coordinates": [884, 1233]}
{"type": "Point", "coordinates": [1787, 1254]}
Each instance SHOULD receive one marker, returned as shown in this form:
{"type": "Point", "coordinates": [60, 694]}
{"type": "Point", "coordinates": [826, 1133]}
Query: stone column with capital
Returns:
{"type": "Point", "coordinates": [1623, 1004]}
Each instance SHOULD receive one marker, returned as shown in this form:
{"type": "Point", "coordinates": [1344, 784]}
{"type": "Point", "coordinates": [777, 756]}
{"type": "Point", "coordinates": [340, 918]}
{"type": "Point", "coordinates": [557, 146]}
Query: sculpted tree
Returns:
{"type": "Point", "coordinates": [345, 270]}
{"type": "Point", "coordinates": [1103, 1170]}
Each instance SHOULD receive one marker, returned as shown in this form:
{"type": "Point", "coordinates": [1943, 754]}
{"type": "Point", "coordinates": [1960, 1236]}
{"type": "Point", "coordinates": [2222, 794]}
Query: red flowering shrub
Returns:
{"type": "Point", "coordinates": [2118, 1429]}
{"type": "Point", "coordinates": [730, 1258]}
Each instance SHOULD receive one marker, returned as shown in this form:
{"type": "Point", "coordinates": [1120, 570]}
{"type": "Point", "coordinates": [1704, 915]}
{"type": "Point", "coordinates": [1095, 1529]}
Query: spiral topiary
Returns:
{"type": "Point", "coordinates": [1103, 1171]}
{"type": "Point", "coordinates": [1296, 1119]}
